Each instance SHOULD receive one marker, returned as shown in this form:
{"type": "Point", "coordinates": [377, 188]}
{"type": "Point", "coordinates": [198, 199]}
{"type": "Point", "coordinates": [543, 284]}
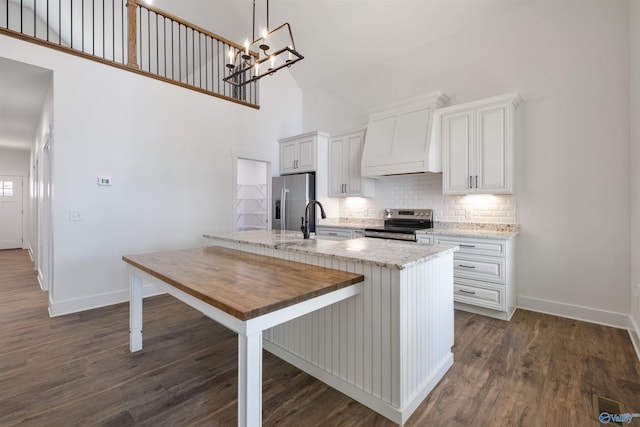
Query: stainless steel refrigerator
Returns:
{"type": "Point", "coordinates": [291, 193]}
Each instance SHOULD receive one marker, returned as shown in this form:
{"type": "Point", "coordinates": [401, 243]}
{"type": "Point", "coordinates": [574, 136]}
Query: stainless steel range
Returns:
{"type": "Point", "coordinates": [401, 224]}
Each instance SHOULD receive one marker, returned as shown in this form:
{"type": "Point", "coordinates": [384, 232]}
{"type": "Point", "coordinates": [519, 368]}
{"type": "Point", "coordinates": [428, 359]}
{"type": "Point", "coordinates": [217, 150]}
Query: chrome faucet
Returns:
{"type": "Point", "coordinates": [305, 219]}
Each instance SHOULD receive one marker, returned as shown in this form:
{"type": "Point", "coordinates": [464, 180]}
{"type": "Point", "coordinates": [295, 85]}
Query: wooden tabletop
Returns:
{"type": "Point", "coordinates": [242, 284]}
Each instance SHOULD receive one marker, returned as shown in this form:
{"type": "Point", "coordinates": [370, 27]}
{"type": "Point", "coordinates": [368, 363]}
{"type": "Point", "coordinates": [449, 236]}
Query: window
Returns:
{"type": "Point", "coordinates": [6, 188]}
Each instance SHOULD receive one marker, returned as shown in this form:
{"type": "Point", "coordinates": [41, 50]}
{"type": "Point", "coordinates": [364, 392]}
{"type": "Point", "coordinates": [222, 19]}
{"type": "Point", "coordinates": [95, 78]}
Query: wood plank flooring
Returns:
{"type": "Point", "coordinates": [76, 370]}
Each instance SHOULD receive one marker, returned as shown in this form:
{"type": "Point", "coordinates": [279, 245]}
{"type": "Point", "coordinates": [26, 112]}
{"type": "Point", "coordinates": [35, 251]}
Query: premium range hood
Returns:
{"type": "Point", "coordinates": [401, 139]}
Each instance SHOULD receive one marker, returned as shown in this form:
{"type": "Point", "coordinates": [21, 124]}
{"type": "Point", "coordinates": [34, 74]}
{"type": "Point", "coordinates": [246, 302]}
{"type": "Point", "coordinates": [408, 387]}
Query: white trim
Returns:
{"type": "Point", "coordinates": [577, 312]}
{"type": "Point", "coordinates": [634, 334]}
{"type": "Point", "coordinates": [74, 305]}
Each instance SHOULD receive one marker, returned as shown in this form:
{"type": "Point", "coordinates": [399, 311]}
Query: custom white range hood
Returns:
{"type": "Point", "coordinates": [401, 138]}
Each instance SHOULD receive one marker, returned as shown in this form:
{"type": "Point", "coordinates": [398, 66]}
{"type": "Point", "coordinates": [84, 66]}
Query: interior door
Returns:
{"type": "Point", "coordinates": [10, 212]}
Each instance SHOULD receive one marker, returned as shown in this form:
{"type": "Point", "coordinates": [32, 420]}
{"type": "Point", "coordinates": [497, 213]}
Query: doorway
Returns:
{"type": "Point", "coordinates": [11, 211]}
{"type": "Point", "coordinates": [251, 205]}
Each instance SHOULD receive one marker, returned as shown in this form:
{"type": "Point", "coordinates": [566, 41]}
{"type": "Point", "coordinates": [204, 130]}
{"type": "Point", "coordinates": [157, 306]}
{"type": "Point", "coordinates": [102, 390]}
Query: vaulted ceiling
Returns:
{"type": "Point", "coordinates": [337, 37]}
{"type": "Point", "coordinates": [343, 36]}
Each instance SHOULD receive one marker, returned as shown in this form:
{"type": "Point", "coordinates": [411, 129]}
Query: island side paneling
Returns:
{"type": "Point", "coordinates": [386, 347]}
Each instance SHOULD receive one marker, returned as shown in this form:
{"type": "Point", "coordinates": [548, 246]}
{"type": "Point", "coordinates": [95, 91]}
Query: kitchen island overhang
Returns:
{"type": "Point", "coordinates": [388, 346]}
{"type": "Point", "coordinates": [245, 292]}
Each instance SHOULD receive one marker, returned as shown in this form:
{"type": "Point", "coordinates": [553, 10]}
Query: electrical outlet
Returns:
{"type": "Point", "coordinates": [75, 216]}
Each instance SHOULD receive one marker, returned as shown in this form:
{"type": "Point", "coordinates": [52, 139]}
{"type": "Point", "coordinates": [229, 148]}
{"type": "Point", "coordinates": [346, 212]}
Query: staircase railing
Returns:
{"type": "Point", "coordinates": [130, 35]}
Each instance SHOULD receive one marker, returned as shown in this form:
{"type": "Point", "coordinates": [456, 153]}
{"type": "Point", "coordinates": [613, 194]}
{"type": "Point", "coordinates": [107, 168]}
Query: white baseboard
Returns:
{"type": "Point", "coordinates": [60, 308]}
{"type": "Point", "coordinates": [41, 280]}
{"type": "Point", "coordinates": [634, 334]}
{"type": "Point", "coordinates": [586, 314]}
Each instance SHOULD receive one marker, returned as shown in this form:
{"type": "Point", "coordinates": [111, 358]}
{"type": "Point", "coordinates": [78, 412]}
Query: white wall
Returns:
{"type": "Point", "coordinates": [635, 171]}
{"type": "Point", "coordinates": [570, 62]}
{"type": "Point", "coordinates": [169, 153]}
{"type": "Point", "coordinates": [13, 161]}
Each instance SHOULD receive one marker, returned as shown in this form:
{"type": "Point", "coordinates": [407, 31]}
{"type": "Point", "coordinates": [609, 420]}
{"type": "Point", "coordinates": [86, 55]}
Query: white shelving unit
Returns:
{"type": "Point", "coordinates": [251, 207]}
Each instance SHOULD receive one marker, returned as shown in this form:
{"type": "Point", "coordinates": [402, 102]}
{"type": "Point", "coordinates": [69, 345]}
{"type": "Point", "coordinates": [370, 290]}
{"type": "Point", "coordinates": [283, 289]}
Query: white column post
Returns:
{"type": "Point", "coordinates": [135, 313]}
{"type": "Point", "coordinates": [250, 380]}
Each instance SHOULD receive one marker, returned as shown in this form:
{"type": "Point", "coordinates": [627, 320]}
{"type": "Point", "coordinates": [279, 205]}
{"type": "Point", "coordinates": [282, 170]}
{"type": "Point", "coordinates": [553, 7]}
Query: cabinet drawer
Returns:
{"type": "Point", "coordinates": [476, 246]}
{"type": "Point", "coordinates": [425, 239]}
{"type": "Point", "coordinates": [333, 233]}
{"type": "Point", "coordinates": [483, 295]}
{"type": "Point", "coordinates": [479, 268]}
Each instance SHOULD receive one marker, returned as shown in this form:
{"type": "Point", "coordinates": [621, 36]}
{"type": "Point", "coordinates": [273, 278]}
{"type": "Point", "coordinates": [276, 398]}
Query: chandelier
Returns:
{"type": "Point", "coordinates": [250, 64]}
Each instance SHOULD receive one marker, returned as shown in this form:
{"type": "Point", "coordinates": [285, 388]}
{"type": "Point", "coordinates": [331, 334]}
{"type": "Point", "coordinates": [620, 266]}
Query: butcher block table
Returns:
{"type": "Point", "coordinates": [245, 292]}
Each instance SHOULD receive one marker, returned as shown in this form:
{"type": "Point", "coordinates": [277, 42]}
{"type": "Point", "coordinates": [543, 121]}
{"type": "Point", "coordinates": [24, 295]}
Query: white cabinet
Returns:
{"type": "Point", "coordinates": [483, 275]}
{"type": "Point", "coordinates": [338, 232]}
{"type": "Point", "coordinates": [345, 156]}
{"type": "Point", "coordinates": [478, 143]}
{"type": "Point", "coordinates": [298, 154]}
{"type": "Point", "coordinates": [400, 138]}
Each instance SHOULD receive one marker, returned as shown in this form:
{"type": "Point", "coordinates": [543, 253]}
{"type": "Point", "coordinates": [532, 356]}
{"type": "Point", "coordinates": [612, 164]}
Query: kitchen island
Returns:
{"type": "Point", "coordinates": [386, 347]}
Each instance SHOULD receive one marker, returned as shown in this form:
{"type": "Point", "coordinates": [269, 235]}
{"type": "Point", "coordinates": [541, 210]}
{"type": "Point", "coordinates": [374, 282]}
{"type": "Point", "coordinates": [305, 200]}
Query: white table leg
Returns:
{"type": "Point", "coordinates": [250, 380]}
{"type": "Point", "coordinates": [135, 313]}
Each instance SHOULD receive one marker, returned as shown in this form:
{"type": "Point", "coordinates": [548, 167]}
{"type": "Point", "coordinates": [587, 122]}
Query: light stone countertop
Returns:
{"type": "Point", "coordinates": [385, 253]}
{"type": "Point", "coordinates": [472, 233]}
{"type": "Point", "coordinates": [453, 229]}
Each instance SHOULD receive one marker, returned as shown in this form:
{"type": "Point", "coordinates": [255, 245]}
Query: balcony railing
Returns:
{"type": "Point", "coordinates": [130, 35]}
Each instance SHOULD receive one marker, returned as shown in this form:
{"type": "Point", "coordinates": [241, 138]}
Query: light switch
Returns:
{"type": "Point", "coordinates": [104, 180]}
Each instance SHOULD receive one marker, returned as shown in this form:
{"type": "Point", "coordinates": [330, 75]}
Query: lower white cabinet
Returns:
{"type": "Point", "coordinates": [338, 233]}
{"type": "Point", "coordinates": [483, 275]}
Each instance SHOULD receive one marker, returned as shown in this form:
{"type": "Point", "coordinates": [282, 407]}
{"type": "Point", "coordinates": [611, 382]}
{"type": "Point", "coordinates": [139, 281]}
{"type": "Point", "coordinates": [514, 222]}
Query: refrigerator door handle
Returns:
{"type": "Point", "coordinates": [283, 197]}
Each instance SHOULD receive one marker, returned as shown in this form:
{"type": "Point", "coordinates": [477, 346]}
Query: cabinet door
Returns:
{"type": "Point", "coordinates": [336, 167]}
{"type": "Point", "coordinates": [457, 137]}
{"type": "Point", "coordinates": [288, 157]}
{"type": "Point", "coordinates": [353, 155]}
{"type": "Point", "coordinates": [307, 155]}
{"type": "Point", "coordinates": [493, 150]}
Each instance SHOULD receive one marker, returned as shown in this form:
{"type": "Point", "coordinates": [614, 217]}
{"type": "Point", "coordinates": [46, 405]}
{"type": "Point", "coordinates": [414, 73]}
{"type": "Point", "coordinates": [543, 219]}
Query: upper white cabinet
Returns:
{"type": "Point", "coordinates": [298, 154]}
{"type": "Point", "coordinates": [345, 155]}
{"type": "Point", "coordinates": [399, 138]}
{"type": "Point", "coordinates": [477, 142]}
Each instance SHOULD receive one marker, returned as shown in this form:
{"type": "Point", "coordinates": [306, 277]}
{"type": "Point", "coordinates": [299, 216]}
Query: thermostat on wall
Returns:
{"type": "Point", "coordinates": [104, 180]}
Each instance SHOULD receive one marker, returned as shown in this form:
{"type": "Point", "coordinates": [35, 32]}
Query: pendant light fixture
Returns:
{"type": "Point", "coordinates": [261, 57]}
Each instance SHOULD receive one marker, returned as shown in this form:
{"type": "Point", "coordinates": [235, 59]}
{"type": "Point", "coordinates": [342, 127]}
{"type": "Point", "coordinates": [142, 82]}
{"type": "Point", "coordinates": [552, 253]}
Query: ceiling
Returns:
{"type": "Point", "coordinates": [341, 36]}
{"type": "Point", "coordinates": [22, 92]}
{"type": "Point", "coordinates": [336, 37]}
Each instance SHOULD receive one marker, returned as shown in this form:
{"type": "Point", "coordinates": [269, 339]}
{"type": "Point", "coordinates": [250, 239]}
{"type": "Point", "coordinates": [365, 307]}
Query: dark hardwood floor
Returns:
{"type": "Point", "coordinates": [76, 370]}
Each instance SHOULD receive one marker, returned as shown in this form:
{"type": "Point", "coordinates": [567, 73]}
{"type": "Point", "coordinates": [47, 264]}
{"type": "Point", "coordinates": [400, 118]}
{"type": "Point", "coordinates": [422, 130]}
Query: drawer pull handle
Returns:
{"type": "Point", "coordinates": [466, 266]}
{"type": "Point", "coordinates": [332, 234]}
{"type": "Point", "coordinates": [467, 246]}
{"type": "Point", "coordinates": [467, 292]}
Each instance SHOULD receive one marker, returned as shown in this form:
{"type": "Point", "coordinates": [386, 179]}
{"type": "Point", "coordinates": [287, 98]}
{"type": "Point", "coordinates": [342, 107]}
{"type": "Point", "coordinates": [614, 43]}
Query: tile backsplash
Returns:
{"type": "Point", "coordinates": [424, 191]}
